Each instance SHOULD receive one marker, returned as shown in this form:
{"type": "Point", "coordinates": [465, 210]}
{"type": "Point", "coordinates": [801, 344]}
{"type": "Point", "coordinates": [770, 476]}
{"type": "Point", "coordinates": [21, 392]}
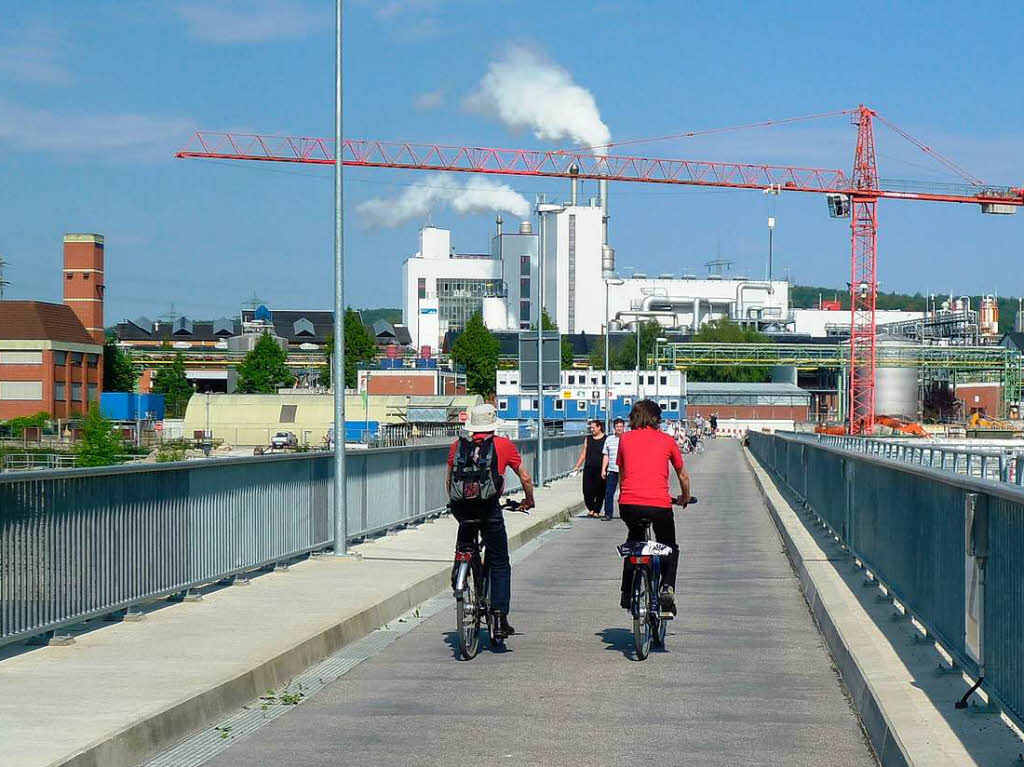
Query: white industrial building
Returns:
{"type": "Point", "coordinates": [442, 289]}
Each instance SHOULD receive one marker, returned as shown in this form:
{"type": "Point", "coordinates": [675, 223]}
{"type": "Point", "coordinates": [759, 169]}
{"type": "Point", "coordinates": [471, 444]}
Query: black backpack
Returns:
{"type": "Point", "coordinates": [475, 471]}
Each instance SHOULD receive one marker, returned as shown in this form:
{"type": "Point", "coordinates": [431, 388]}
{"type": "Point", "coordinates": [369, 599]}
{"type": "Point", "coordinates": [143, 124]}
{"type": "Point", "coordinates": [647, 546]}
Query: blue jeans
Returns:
{"type": "Point", "coordinates": [609, 494]}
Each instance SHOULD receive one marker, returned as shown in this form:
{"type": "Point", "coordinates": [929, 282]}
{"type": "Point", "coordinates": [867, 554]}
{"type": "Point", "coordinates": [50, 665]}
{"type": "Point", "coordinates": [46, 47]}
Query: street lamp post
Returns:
{"type": "Point", "coordinates": [338, 359]}
{"type": "Point", "coordinates": [657, 365]}
{"type": "Point", "coordinates": [638, 326]}
{"type": "Point", "coordinates": [542, 210]}
{"type": "Point", "coordinates": [609, 279]}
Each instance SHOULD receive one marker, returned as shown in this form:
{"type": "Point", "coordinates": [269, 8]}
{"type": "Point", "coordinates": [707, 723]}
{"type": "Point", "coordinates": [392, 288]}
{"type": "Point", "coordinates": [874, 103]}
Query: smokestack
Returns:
{"type": "Point", "coordinates": [498, 222]}
{"type": "Point", "coordinates": [603, 186]}
{"type": "Point", "coordinates": [574, 170]}
{"type": "Point", "coordinates": [607, 259]}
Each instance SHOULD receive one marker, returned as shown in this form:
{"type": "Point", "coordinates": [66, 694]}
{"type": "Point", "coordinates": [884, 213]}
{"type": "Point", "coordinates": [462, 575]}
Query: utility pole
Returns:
{"type": "Point", "coordinates": [338, 358]}
{"type": "Point", "coordinates": [609, 279]}
{"type": "Point", "coordinates": [542, 210]}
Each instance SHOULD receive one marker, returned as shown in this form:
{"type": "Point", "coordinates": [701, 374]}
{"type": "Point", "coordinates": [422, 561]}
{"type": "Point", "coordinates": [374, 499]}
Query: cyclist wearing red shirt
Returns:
{"type": "Point", "coordinates": [482, 422]}
{"type": "Point", "coordinates": [645, 453]}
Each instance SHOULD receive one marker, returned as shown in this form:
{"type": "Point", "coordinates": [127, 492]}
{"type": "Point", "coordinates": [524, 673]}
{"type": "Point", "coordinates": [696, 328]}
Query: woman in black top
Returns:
{"type": "Point", "coordinates": [591, 458]}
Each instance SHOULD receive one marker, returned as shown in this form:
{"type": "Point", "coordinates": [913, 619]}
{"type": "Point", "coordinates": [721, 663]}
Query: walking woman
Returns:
{"type": "Point", "coordinates": [591, 459]}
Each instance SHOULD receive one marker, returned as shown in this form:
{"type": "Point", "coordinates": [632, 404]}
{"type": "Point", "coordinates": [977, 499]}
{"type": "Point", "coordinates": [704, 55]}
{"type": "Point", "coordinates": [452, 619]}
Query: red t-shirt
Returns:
{"type": "Point", "coordinates": [504, 451]}
{"type": "Point", "coordinates": [644, 456]}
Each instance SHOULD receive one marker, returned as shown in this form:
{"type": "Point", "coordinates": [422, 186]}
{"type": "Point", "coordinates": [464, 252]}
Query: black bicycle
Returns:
{"type": "Point", "coordinates": [650, 622]}
{"type": "Point", "coordinates": [471, 585]}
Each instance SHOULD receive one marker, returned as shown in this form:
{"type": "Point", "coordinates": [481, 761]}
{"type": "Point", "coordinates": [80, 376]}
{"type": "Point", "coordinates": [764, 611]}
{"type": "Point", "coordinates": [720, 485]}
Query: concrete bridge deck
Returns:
{"type": "Point", "coordinates": [745, 678]}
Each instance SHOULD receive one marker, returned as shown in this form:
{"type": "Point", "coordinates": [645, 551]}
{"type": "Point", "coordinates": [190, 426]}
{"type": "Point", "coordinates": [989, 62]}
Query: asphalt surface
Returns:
{"type": "Point", "coordinates": [745, 678]}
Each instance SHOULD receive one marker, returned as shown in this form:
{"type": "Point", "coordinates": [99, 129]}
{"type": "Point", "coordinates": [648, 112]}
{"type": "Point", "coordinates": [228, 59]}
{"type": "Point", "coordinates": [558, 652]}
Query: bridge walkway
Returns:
{"type": "Point", "coordinates": [745, 679]}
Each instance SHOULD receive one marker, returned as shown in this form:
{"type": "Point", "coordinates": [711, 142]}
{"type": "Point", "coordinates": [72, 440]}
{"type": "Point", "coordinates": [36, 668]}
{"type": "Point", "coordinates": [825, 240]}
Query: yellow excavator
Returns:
{"type": "Point", "coordinates": [982, 421]}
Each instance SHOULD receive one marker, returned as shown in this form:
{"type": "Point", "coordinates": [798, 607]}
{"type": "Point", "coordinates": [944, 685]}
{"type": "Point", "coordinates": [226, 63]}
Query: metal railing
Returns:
{"type": "Point", "coordinates": [949, 548]}
{"type": "Point", "coordinates": [999, 464]}
{"type": "Point", "coordinates": [81, 543]}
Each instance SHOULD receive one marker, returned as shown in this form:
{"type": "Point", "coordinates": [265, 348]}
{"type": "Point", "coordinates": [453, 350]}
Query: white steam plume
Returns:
{"type": "Point", "coordinates": [525, 90]}
{"type": "Point", "coordinates": [476, 195]}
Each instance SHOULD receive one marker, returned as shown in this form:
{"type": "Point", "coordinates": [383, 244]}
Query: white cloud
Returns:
{"type": "Point", "coordinates": [121, 136]}
{"type": "Point", "coordinates": [232, 22]}
{"type": "Point", "coordinates": [35, 54]}
{"type": "Point", "coordinates": [523, 89]}
{"type": "Point", "coordinates": [476, 195]}
{"type": "Point", "coordinates": [429, 100]}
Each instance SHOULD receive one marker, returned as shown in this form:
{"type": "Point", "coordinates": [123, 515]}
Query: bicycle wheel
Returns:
{"type": "Point", "coordinates": [485, 608]}
{"type": "Point", "coordinates": [642, 634]}
{"type": "Point", "coordinates": [467, 616]}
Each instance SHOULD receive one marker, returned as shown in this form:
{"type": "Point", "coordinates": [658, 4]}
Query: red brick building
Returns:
{"type": "Point", "coordinates": [51, 355]}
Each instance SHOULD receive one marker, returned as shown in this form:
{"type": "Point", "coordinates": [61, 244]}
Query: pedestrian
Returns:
{"type": "Point", "coordinates": [713, 421]}
{"type": "Point", "coordinates": [610, 467]}
{"type": "Point", "coordinates": [590, 460]}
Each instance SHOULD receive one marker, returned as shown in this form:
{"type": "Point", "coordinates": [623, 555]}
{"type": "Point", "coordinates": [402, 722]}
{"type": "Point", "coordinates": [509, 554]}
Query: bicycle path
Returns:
{"type": "Point", "coordinates": [745, 678]}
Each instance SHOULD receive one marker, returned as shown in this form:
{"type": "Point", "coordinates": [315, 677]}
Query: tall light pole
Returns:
{"type": "Point", "coordinates": [338, 358]}
{"type": "Point", "coordinates": [609, 279]}
{"type": "Point", "coordinates": [657, 365]}
{"type": "Point", "coordinates": [638, 326]}
{"type": "Point", "coordinates": [543, 208]}
{"type": "Point", "coordinates": [772, 192]}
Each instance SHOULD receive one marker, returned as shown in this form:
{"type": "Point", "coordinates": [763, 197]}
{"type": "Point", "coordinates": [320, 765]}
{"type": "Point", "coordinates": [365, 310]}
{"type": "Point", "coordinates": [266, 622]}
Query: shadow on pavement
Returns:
{"type": "Point", "coordinates": [618, 639]}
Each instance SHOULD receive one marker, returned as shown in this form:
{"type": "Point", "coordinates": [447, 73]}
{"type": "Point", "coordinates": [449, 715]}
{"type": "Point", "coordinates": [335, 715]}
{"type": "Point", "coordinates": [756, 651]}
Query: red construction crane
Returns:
{"type": "Point", "coordinates": [855, 196]}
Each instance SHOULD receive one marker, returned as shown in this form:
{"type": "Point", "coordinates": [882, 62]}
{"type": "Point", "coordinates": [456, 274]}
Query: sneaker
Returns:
{"type": "Point", "coordinates": [668, 599]}
{"type": "Point", "coordinates": [502, 628]}
{"type": "Point", "coordinates": [607, 519]}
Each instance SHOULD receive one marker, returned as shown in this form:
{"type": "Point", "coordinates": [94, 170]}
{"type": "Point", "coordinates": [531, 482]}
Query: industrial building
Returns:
{"type": "Point", "coordinates": [51, 355]}
{"type": "Point", "coordinates": [252, 419]}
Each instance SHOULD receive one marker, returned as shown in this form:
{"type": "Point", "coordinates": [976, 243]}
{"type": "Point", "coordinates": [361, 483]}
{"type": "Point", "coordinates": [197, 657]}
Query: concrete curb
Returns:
{"type": "Point", "coordinates": [145, 739]}
{"type": "Point", "coordinates": [888, 746]}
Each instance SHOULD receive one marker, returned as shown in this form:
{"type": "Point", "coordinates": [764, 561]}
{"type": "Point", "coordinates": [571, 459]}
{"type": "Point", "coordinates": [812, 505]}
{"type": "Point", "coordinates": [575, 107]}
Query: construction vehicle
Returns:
{"type": "Point", "coordinates": [982, 421]}
{"type": "Point", "coordinates": [898, 425]}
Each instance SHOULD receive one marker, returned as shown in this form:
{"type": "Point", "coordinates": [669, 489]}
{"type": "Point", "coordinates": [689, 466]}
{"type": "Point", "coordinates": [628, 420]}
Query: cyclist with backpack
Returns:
{"type": "Point", "coordinates": [475, 480]}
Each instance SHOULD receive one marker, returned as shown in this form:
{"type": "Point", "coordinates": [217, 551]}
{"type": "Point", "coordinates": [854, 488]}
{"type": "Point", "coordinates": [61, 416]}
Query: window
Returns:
{"type": "Point", "coordinates": [627, 400]}
{"type": "Point", "coordinates": [524, 311]}
{"type": "Point", "coordinates": [650, 380]}
{"type": "Point", "coordinates": [524, 265]}
{"type": "Point", "coordinates": [92, 360]}
{"type": "Point", "coordinates": [524, 288]}
{"type": "Point", "coordinates": [664, 380]}
{"type": "Point", "coordinates": [604, 380]}
{"type": "Point", "coordinates": [92, 393]}
{"type": "Point", "coordinates": [602, 406]}
{"type": "Point", "coordinates": [534, 402]}
{"type": "Point", "coordinates": [559, 404]}
{"type": "Point", "coordinates": [572, 379]}
{"type": "Point", "coordinates": [421, 287]}
{"type": "Point", "coordinates": [663, 405]}
{"type": "Point", "coordinates": [76, 391]}
{"type": "Point", "coordinates": [60, 358]}
{"type": "Point", "coordinates": [21, 390]}
{"type": "Point", "coordinates": [59, 391]}
{"type": "Point", "coordinates": [288, 413]}
{"type": "Point", "coordinates": [581, 406]}
{"type": "Point", "coordinates": [673, 405]}
{"type": "Point", "coordinates": [21, 358]}
{"type": "Point", "coordinates": [502, 404]}
{"type": "Point", "coordinates": [593, 380]}
{"type": "Point", "coordinates": [524, 403]}
{"type": "Point", "coordinates": [76, 358]}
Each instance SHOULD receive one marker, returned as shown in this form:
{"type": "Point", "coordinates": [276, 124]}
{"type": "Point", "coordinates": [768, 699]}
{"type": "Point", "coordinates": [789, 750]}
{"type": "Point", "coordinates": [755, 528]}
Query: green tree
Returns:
{"type": "Point", "coordinates": [477, 348]}
{"type": "Point", "coordinates": [173, 384]}
{"type": "Point", "coordinates": [360, 347]}
{"type": "Point", "coordinates": [119, 373]}
{"type": "Point", "coordinates": [546, 323]}
{"type": "Point", "coordinates": [100, 444]}
{"type": "Point", "coordinates": [728, 332]}
{"type": "Point", "coordinates": [567, 354]}
{"type": "Point", "coordinates": [265, 369]}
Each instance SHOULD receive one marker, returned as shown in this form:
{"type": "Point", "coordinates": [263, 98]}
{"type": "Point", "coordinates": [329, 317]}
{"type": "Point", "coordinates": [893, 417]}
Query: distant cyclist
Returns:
{"type": "Point", "coordinates": [475, 480]}
{"type": "Point", "coordinates": [645, 453]}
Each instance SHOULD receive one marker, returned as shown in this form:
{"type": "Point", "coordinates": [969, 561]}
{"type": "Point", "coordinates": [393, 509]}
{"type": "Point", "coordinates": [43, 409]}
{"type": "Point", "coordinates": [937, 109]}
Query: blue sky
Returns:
{"type": "Point", "coordinates": [96, 97]}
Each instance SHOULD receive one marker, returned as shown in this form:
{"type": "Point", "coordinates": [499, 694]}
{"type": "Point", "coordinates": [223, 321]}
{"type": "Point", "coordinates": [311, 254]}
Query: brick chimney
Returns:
{"type": "Point", "coordinates": [83, 280]}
